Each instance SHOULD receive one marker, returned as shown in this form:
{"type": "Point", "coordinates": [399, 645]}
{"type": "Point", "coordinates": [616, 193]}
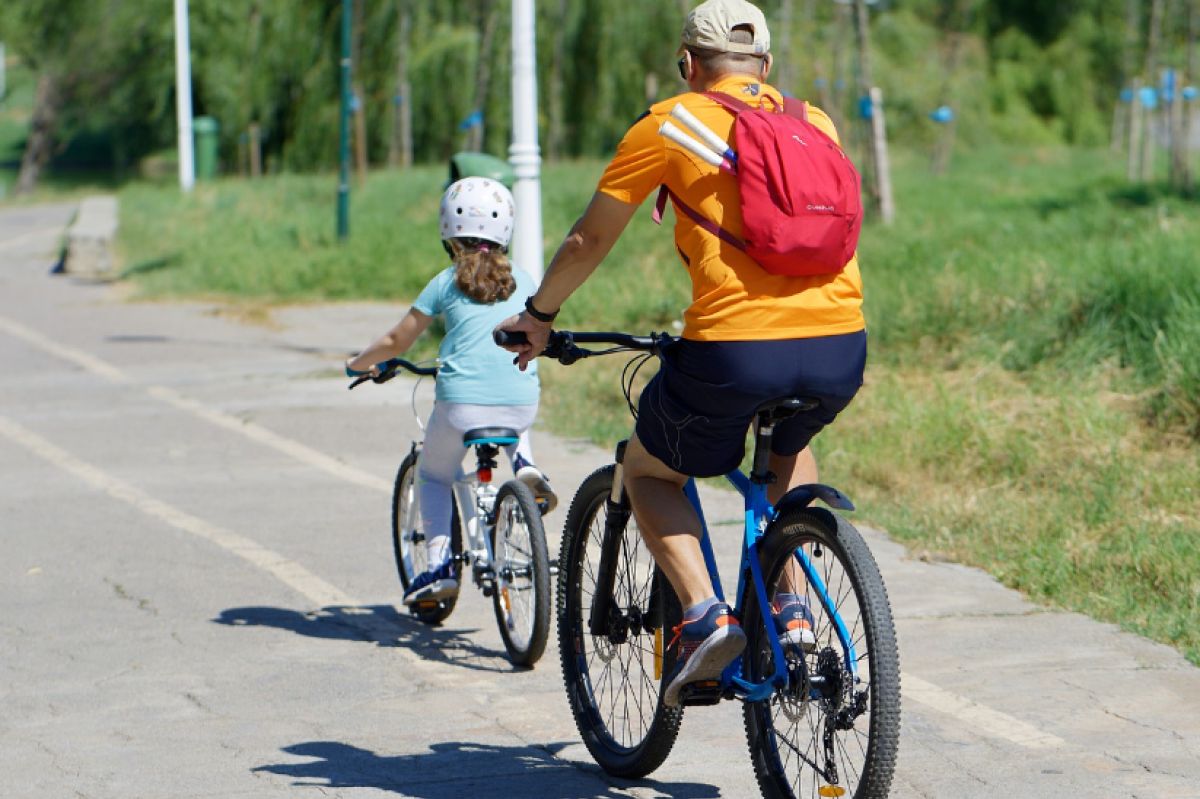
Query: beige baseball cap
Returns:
{"type": "Point", "coordinates": [709, 24]}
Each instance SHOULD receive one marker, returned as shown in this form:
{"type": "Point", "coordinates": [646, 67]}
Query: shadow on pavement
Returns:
{"type": "Point", "coordinates": [379, 624]}
{"type": "Point", "coordinates": [456, 769]}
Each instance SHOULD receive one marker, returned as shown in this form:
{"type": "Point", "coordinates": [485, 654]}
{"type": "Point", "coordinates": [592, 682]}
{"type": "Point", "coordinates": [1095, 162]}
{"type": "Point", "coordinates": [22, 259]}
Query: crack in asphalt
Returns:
{"type": "Point", "coordinates": [139, 602]}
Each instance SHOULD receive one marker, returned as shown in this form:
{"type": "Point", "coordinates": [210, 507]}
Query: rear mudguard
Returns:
{"type": "Point", "coordinates": [803, 496]}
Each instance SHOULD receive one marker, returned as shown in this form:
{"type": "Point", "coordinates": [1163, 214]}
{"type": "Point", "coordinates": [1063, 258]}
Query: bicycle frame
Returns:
{"type": "Point", "coordinates": [474, 501]}
{"type": "Point", "coordinates": [758, 515]}
{"type": "Point", "coordinates": [469, 493]}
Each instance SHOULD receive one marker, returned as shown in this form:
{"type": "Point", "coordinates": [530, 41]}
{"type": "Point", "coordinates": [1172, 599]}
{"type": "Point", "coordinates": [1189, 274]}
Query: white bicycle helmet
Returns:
{"type": "Point", "coordinates": [477, 208]}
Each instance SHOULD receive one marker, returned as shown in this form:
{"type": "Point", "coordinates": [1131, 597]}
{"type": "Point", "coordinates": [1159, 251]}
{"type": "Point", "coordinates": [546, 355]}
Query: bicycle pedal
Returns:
{"type": "Point", "coordinates": [705, 692]}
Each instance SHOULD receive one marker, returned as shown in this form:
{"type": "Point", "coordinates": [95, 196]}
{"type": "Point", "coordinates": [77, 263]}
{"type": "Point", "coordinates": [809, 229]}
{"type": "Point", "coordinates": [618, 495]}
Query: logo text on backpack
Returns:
{"type": "Point", "coordinates": [826, 209]}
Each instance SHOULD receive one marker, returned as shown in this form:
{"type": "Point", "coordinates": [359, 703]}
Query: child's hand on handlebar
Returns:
{"type": "Point", "coordinates": [373, 371]}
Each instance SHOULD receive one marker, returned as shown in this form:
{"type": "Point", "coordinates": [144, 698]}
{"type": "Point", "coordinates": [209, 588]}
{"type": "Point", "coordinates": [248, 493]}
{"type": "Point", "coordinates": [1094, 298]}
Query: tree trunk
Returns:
{"type": "Point", "coordinates": [556, 108]}
{"type": "Point", "coordinates": [781, 43]}
{"type": "Point", "coordinates": [1149, 137]}
{"type": "Point", "coordinates": [483, 71]}
{"type": "Point", "coordinates": [841, 28]}
{"type": "Point", "coordinates": [1193, 29]}
{"type": "Point", "coordinates": [360, 135]}
{"type": "Point", "coordinates": [1122, 116]}
{"type": "Point", "coordinates": [400, 146]}
{"type": "Point", "coordinates": [254, 139]}
{"type": "Point", "coordinates": [880, 194]}
{"type": "Point", "coordinates": [1136, 117]}
{"type": "Point", "coordinates": [944, 147]}
{"type": "Point", "coordinates": [42, 128]}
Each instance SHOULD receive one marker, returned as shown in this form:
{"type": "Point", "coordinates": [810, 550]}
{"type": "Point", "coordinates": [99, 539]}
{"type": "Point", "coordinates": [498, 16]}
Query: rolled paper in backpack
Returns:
{"type": "Point", "coordinates": [705, 133]}
{"type": "Point", "coordinates": [669, 131]}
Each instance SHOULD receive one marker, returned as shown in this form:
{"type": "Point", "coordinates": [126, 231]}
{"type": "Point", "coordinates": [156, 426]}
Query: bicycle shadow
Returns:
{"type": "Point", "coordinates": [454, 769]}
{"type": "Point", "coordinates": [382, 625]}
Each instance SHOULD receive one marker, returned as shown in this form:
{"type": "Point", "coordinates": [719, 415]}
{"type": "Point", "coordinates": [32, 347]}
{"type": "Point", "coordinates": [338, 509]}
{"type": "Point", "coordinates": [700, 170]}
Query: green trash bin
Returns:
{"type": "Point", "coordinates": [204, 131]}
{"type": "Point", "coordinates": [480, 165]}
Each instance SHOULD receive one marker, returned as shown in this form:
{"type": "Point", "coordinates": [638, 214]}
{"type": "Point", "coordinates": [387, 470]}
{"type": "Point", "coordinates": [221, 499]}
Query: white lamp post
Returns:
{"type": "Point", "coordinates": [524, 154]}
{"type": "Point", "coordinates": [183, 97]}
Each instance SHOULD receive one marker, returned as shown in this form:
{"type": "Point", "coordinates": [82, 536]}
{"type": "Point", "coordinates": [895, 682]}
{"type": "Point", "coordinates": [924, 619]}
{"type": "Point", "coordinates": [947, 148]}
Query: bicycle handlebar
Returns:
{"type": "Point", "coordinates": [388, 369]}
{"type": "Point", "coordinates": [563, 345]}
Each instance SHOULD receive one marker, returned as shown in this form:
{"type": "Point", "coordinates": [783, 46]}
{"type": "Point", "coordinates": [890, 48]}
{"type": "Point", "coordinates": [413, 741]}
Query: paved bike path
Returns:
{"type": "Point", "coordinates": [200, 597]}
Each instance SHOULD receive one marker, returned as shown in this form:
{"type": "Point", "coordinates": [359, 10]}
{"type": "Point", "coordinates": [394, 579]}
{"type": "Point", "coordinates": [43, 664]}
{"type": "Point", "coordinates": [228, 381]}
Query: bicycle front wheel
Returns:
{"type": "Point", "coordinates": [522, 566]}
{"type": "Point", "coordinates": [408, 539]}
{"type": "Point", "coordinates": [613, 676]}
{"type": "Point", "coordinates": [831, 731]}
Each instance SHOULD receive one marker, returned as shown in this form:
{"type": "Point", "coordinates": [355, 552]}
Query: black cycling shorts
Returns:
{"type": "Point", "coordinates": [694, 414]}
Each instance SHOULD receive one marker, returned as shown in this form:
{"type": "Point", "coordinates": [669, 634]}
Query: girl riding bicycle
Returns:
{"type": "Point", "coordinates": [477, 383]}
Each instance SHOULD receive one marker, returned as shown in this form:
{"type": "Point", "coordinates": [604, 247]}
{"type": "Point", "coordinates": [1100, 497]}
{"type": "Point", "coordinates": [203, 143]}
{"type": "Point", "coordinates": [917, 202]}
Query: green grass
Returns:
{"type": "Point", "coordinates": [1031, 402]}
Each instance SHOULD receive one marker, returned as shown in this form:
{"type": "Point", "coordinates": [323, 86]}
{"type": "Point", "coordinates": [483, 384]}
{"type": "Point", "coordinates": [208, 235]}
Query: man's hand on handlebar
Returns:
{"type": "Point", "coordinates": [537, 334]}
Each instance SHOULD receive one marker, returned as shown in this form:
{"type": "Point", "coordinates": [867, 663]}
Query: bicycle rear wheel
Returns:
{"type": "Point", "coordinates": [614, 679]}
{"type": "Point", "coordinates": [408, 540]}
{"type": "Point", "coordinates": [522, 566]}
{"type": "Point", "coordinates": [828, 732]}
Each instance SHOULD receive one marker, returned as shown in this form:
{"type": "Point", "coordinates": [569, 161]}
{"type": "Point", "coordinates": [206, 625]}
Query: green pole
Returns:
{"type": "Point", "coordinates": [343, 195]}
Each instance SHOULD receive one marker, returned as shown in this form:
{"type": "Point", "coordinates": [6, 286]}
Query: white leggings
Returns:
{"type": "Point", "coordinates": [442, 456]}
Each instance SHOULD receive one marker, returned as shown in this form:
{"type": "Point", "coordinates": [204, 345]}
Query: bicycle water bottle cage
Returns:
{"type": "Point", "coordinates": [501, 436]}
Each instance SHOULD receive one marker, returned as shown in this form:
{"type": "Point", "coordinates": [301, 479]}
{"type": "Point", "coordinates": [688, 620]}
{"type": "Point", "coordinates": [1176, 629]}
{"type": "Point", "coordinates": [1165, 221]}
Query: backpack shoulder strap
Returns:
{"type": "Point", "coordinates": [712, 227]}
{"type": "Point", "coordinates": [795, 108]}
{"type": "Point", "coordinates": [791, 106]}
{"type": "Point", "coordinates": [730, 103]}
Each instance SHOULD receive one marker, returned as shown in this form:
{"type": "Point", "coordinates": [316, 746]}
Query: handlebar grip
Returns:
{"type": "Point", "coordinates": [503, 337]}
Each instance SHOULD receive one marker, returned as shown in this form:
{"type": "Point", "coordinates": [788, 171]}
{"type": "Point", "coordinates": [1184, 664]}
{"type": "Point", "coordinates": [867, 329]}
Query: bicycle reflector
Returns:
{"type": "Point", "coordinates": [484, 474]}
{"type": "Point", "coordinates": [831, 790]}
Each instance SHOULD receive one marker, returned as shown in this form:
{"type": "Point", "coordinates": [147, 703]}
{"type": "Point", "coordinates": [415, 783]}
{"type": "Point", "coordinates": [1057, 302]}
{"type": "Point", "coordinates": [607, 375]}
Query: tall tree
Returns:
{"type": "Point", "coordinates": [556, 128]}
{"type": "Point", "coordinates": [1153, 40]}
{"type": "Point", "coordinates": [400, 150]}
{"type": "Point", "coordinates": [99, 66]}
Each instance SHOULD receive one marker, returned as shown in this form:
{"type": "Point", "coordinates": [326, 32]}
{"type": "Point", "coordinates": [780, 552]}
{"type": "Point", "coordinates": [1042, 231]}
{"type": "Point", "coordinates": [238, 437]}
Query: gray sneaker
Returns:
{"type": "Point", "coordinates": [706, 646]}
{"type": "Point", "coordinates": [540, 486]}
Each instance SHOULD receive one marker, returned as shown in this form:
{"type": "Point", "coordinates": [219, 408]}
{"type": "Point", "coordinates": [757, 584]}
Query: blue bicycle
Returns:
{"type": "Point", "coordinates": [823, 718]}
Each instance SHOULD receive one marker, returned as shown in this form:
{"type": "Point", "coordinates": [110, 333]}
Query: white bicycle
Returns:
{"type": "Point", "coordinates": [505, 543]}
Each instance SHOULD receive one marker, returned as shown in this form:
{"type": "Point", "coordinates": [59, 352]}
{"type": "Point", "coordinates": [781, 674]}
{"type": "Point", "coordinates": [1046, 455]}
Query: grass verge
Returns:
{"type": "Point", "coordinates": [1031, 403]}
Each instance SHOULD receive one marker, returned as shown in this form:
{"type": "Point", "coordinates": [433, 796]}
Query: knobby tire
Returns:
{"type": "Point", "coordinates": [786, 733]}
{"type": "Point", "coordinates": [610, 684]}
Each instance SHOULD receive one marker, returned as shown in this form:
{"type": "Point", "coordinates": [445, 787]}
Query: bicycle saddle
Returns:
{"type": "Point", "coordinates": [785, 407]}
{"type": "Point", "coordinates": [490, 435]}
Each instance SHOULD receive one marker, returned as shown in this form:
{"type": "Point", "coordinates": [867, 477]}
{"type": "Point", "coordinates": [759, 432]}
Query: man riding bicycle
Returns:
{"type": "Point", "coordinates": [749, 335]}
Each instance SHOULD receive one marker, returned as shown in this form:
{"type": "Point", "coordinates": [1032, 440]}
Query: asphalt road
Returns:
{"type": "Point", "coordinates": [199, 599]}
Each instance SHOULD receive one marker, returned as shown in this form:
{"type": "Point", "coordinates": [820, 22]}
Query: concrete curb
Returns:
{"type": "Point", "coordinates": [90, 237]}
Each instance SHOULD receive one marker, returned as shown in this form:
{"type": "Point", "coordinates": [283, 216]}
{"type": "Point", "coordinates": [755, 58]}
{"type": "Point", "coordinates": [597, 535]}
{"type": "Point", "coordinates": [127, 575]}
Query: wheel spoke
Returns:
{"type": "Point", "coordinates": [804, 759]}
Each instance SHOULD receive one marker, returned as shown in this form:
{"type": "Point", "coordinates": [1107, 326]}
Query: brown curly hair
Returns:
{"type": "Point", "coordinates": [482, 271]}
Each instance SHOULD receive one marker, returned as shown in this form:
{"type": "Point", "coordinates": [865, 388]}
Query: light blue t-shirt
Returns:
{"type": "Point", "coordinates": [473, 369]}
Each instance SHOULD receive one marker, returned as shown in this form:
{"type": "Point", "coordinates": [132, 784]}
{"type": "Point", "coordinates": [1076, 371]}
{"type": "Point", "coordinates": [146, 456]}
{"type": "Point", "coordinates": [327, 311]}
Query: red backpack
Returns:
{"type": "Point", "coordinates": [801, 201]}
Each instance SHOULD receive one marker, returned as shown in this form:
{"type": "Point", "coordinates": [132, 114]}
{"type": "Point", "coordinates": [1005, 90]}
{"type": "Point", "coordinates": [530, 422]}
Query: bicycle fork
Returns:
{"type": "Point", "coordinates": [603, 619]}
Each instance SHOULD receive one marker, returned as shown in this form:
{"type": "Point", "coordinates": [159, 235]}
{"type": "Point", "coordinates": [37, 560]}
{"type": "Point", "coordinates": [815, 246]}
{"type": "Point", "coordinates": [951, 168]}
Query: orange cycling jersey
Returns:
{"type": "Point", "coordinates": [733, 298]}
